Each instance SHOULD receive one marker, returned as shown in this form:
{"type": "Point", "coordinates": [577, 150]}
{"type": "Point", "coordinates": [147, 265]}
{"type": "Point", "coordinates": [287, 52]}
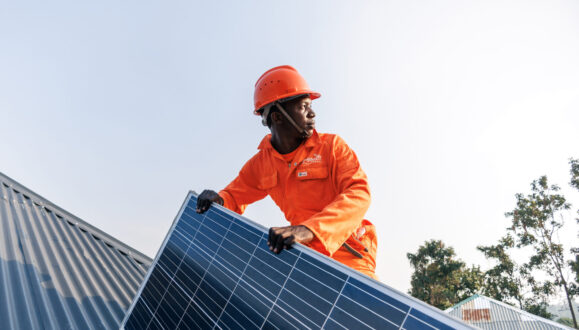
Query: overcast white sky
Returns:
{"type": "Point", "coordinates": [115, 110]}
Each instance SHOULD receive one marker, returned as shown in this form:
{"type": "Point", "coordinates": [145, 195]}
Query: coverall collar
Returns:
{"type": "Point", "coordinates": [310, 142]}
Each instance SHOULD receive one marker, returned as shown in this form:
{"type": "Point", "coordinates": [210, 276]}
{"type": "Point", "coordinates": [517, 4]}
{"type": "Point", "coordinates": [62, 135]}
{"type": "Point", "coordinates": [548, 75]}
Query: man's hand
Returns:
{"type": "Point", "coordinates": [206, 198]}
{"type": "Point", "coordinates": [283, 237]}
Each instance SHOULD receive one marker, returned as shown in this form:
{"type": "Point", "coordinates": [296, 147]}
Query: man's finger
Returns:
{"type": "Point", "coordinates": [288, 242]}
{"type": "Point", "coordinates": [202, 205]}
{"type": "Point", "coordinates": [279, 243]}
{"type": "Point", "coordinates": [271, 239]}
{"type": "Point", "coordinates": [199, 205]}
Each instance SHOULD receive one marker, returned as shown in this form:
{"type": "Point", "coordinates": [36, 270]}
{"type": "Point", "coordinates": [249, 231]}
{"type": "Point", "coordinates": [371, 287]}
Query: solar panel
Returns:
{"type": "Point", "coordinates": [214, 270]}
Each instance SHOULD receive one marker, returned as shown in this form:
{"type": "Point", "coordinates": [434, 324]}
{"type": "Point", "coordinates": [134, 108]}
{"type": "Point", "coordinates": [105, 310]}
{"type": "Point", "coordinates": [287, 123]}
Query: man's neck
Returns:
{"type": "Point", "coordinates": [285, 144]}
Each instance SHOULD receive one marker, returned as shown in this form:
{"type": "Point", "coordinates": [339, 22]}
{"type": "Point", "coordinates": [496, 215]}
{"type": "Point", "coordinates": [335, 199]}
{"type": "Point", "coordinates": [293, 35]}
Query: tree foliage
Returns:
{"type": "Point", "coordinates": [504, 281]}
{"type": "Point", "coordinates": [442, 280]}
{"type": "Point", "coordinates": [575, 250]}
{"type": "Point", "coordinates": [511, 283]}
{"type": "Point", "coordinates": [439, 278]}
{"type": "Point", "coordinates": [535, 222]}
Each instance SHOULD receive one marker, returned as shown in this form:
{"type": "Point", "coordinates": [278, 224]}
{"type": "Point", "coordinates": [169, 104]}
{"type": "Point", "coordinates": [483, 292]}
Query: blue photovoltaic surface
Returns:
{"type": "Point", "coordinates": [216, 271]}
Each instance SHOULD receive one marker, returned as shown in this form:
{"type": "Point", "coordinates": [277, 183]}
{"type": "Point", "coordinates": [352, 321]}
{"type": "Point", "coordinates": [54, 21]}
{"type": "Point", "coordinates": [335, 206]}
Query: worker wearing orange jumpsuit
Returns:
{"type": "Point", "coordinates": [314, 178]}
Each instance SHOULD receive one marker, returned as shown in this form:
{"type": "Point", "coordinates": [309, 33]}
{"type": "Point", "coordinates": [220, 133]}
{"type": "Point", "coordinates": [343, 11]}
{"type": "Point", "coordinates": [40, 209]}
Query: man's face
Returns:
{"type": "Point", "coordinates": [301, 111]}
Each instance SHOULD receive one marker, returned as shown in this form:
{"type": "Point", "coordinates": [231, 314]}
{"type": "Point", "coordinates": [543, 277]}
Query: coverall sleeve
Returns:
{"type": "Point", "coordinates": [243, 190]}
{"type": "Point", "coordinates": [343, 216]}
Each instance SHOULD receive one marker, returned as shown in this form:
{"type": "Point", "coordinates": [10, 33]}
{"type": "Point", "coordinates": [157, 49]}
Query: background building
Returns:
{"type": "Point", "coordinates": [487, 313]}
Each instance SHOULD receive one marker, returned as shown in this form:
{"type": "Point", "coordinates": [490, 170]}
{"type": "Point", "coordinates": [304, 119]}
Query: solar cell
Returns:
{"type": "Point", "coordinates": [214, 270]}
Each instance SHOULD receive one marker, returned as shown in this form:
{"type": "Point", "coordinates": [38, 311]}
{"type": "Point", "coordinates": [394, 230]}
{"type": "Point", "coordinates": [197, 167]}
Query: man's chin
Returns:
{"type": "Point", "coordinates": [308, 133]}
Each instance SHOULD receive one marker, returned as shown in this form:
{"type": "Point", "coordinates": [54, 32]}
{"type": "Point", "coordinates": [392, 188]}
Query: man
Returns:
{"type": "Point", "coordinates": [315, 179]}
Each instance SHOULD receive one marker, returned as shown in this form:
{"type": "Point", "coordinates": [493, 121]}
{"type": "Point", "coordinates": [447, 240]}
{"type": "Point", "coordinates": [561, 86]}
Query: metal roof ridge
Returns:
{"type": "Point", "coordinates": [511, 307]}
{"type": "Point", "coordinates": [113, 242]}
{"type": "Point", "coordinates": [476, 295]}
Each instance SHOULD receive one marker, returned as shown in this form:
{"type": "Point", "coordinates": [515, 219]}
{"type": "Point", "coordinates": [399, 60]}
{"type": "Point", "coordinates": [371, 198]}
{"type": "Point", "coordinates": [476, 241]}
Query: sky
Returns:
{"type": "Point", "coordinates": [115, 110]}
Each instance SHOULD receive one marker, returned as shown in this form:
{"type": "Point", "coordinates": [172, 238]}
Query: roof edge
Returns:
{"type": "Point", "coordinates": [46, 204]}
{"type": "Point", "coordinates": [515, 309]}
{"type": "Point", "coordinates": [449, 309]}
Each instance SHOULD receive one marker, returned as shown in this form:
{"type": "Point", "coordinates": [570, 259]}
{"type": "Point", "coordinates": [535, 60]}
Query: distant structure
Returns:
{"type": "Point", "coordinates": [57, 271]}
{"type": "Point", "coordinates": [487, 313]}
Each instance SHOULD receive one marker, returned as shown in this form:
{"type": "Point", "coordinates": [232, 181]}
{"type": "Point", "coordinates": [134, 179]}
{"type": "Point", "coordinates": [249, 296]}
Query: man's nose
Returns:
{"type": "Point", "coordinates": [311, 113]}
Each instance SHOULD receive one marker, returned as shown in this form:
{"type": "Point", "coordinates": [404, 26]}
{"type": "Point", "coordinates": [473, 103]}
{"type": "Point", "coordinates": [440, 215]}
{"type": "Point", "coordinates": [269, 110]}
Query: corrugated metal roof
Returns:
{"type": "Point", "coordinates": [487, 313]}
{"type": "Point", "coordinates": [57, 271]}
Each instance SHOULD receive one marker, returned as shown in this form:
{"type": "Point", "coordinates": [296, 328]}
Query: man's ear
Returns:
{"type": "Point", "coordinates": [276, 117]}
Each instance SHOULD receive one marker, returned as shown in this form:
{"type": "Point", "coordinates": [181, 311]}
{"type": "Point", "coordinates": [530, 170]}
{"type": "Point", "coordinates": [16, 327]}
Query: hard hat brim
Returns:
{"type": "Point", "coordinates": [286, 97]}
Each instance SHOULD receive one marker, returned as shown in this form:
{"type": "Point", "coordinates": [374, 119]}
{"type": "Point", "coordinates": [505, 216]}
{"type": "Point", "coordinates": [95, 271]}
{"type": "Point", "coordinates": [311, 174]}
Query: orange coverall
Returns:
{"type": "Point", "coordinates": [322, 188]}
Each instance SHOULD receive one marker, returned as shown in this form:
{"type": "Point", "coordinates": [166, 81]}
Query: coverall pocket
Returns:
{"type": "Point", "coordinates": [312, 186]}
{"type": "Point", "coordinates": [312, 173]}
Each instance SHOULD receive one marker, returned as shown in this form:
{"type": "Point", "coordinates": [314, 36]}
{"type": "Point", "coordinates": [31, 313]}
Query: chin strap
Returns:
{"type": "Point", "coordinates": [301, 130]}
{"type": "Point", "coordinates": [267, 110]}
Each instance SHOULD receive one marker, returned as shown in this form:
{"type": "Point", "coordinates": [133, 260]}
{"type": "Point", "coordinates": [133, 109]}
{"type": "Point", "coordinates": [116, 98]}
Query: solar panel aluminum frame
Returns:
{"type": "Point", "coordinates": [414, 303]}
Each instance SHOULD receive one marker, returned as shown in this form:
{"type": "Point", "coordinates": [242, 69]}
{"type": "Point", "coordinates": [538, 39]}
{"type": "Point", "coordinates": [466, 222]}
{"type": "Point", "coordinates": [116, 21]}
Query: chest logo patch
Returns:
{"type": "Point", "coordinates": [302, 174]}
{"type": "Point", "coordinates": [316, 158]}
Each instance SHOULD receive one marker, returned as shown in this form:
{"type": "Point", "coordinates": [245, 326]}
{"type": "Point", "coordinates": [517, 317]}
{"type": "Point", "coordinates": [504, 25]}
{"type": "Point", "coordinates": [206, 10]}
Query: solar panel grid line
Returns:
{"type": "Point", "coordinates": [208, 299]}
{"type": "Point", "coordinates": [162, 297]}
{"type": "Point", "coordinates": [237, 257]}
{"type": "Point", "coordinates": [221, 263]}
{"type": "Point", "coordinates": [252, 296]}
{"type": "Point", "coordinates": [378, 298]}
{"type": "Point", "coordinates": [253, 252]}
{"type": "Point", "coordinates": [318, 309]}
{"type": "Point", "coordinates": [232, 279]}
{"type": "Point", "coordinates": [323, 270]}
{"type": "Point", "coordinates": [240, 312]}
{"type": "Point", "coordinates": [183, 291]}
{"type": "Point", "coordinates": [150, 272]}
{"type": "Point", "coordinates": [213, 258]}
{"type": "Point", "coordinates": [139, 317]}
{"type": "Point", "coordinates": [334, 304]}
{"type": "Point", "coordinates": [304, 321]}
{"type": "Point", "coordinates": [184, 207]}
{"type": "Point", "coordinates": [276, 298]}
{"type": "Point", "coordinates": [288, 321]}
{"type": "Point", "coordinates": [257, 291]}
{"type": "Point", "coordinates": [406, 316]}
{"type": "Point", "coordinates": [273, 269]}
{"type": "Point", "coordinates": [305, 302]}
{"type": "Point", "coordinates": [317, 280]}
{"type": "Point", "coordinates": [352, 316]}
{"type": "Point", "coordinates": [200, 326]}
{"type": "Point", "coordinates": [237, 284]}
{"type": "Point", "coordinates": [344, 297]}
{"type": "Point", "coordinates": [217, 317]}
{"type": "Point", "coordinates": [191, 300]}
{"type": "Point", "coordinates": [152, 313]}
{"type": "Point", "coordinates": [366, 308]}
{"type": "Point", "coordinates": [171, 276]}
{"type": "Point", "coordinates": [422, 322]}
{"type": "Point", "coordinates": [254, 307]}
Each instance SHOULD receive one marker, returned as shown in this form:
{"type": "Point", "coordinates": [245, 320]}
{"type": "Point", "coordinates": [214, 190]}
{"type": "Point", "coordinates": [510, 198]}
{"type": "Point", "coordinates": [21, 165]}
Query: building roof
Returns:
{"type": "Point", "coordinates": [57, 271]}
{"type": "Point", "coordinates": [487, 313]}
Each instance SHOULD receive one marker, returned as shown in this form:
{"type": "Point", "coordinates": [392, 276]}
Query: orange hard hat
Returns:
{"type": "Point", "coordinates": [279, 83]}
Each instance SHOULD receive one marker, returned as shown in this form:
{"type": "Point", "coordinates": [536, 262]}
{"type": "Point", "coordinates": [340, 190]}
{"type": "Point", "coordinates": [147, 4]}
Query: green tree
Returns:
{"type": "Point", "coordinates": [575, 251]}
{"type": "Point", "coordinates": [504, 281]}
{"type": "Point", "coordinates": [509, 282]}
{"type": "Point", "coordinates": [439, 278]}
{"type": "Point", "coordinates": [535, 222]}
